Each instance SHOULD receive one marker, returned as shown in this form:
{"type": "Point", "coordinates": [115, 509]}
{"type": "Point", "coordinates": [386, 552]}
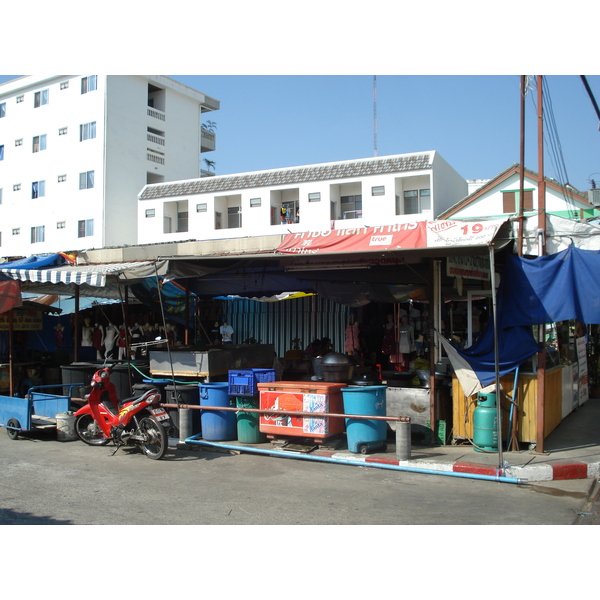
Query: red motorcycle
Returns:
{"type": "Point", "coordinates": [137, 421]}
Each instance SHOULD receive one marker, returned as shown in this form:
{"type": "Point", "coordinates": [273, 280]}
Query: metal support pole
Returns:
{"type": "Point", "coordinates": [403, 440]}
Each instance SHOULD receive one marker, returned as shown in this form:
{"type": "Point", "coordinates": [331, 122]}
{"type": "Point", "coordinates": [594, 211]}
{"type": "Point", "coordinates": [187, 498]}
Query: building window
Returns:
{"type": "Point", "coordinates": [19, 142]}
{"type": "Point", "coordinates": [0, 195]}
{"type": "Point", "coordinates": [182, 221]}
{"type": "Point", "coordinates": [37, 234]}
{"type": "Point", "coordinates": [16, 231]}
{"type": "Point", "coordinates": [38, 189]}
{"type": "Point", "coordinates": [89, 83]}
{"type": "Point", "coordinates": [64, 85]}
{"type": "Point", "coordinates": [86, 180]}
{"type": "Point", "coordinates": [60, 225]}
{"type": "Point", "coordinates": [40, 98]}
{"type": "Point", "coordinates": [351, 206]}
{"type": "Point", "coordinates": [254, 202]}
{"type": "Point", "coordinates": [2, 109]}
{"type": "Point", "coordinates": [202, 207]}
{"type": "Point", "coordinates": [16, 187]}
{"type": "Point", "coordinates": [1, 151]}
{"type": "Point", "coordinates": [510, 201]}
{"type": "Point", "coordinates": [417, 201]}
{"type": "Point", "coordinates": [39, 143]}
{"type": "Point", "coordinates": [20, 98]}
{"type": "Point", "coordinates": [87, 131]}
{"type": "Point", "coordinates": [150, 212]}
{"type": "Point", "coordinates": [62, 131]}
{"type": "Point", "coordinates": [85, 228]}
{"type": "Point", "coordinates": [378, 190]}
{"type": "Point", "coordinates": [62, 178]}
{"type": "Point", "coordinates": [314, 197]}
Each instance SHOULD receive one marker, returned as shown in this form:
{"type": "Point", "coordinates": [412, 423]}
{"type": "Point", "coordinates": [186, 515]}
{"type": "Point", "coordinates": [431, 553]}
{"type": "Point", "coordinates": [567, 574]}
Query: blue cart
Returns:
{"type": "Point", "coordinates": [37, 408]}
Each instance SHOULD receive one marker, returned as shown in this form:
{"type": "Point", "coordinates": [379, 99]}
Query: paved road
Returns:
{"type": "Point", "coordinates": [43, 481]}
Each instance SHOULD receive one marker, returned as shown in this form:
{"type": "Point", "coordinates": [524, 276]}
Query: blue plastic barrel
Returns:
{"type": "Point", "coordinates": [217, 426]}
{"type": "Point", "coordinates": [364, 434]}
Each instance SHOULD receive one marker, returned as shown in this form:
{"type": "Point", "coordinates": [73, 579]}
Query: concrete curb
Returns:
{"type": "Point", "coordinates": [560, 470]}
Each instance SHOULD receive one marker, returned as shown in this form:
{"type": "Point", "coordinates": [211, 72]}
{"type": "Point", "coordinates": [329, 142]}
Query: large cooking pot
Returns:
{"type": "Point", "coordinates": [336, 367]}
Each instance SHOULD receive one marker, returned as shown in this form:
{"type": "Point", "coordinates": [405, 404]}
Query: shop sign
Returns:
{"type": "Point", "coordinates": [23, 320]}
{"type": "Point", "coordinates": [470, 267]}
{"type": "Point", "coordinates": [583, 370]}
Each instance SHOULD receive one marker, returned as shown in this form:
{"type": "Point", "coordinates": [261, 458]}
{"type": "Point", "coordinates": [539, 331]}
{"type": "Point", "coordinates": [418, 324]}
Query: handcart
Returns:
{"type": "Point", "coordinates": [37, 409]}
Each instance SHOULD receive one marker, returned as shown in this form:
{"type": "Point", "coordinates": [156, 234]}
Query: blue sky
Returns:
{"type": "Point", "coordinates": [273, 121]}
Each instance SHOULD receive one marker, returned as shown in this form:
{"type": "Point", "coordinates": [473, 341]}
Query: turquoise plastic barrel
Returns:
{"type": "Point", "coordinates": [217, 426]}
{"type": "Point", "coordinates": [365, 434]}
{"type": "Point", "coordinates": [248, 426]}
{"type": "Point", "coordinates": [485, 424]}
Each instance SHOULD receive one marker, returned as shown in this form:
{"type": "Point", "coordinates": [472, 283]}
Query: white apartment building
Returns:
{"type": "Point", "coordinates": [365, 192]}
{"type": "Point", "coordinates": [75, 151]}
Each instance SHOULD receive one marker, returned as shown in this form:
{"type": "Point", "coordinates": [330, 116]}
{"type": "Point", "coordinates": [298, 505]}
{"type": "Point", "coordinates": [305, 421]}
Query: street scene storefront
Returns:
{"type": "Point", "coordinates": [410, 308]}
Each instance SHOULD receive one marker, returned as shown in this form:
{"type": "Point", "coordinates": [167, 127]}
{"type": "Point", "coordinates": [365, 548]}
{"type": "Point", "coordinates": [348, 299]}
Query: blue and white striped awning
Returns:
{"type": "Point", "coordinates": [86, 275]}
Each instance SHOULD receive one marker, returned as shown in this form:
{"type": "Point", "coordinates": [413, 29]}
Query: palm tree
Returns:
{"type": "Point", "coordinates": [210, 126]}
{"type": "Point", "coordinates": [210, 164]}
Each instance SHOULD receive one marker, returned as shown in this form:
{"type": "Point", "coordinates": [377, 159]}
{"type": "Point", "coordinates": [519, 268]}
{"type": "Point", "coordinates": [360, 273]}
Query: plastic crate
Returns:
{"type": "Point", "coordinates": [243, 382]}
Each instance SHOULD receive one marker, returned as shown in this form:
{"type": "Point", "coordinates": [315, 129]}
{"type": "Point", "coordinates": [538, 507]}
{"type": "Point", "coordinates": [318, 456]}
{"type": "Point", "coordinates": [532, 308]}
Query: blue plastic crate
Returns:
{"type": "Point", "coordinates": [243, 382]}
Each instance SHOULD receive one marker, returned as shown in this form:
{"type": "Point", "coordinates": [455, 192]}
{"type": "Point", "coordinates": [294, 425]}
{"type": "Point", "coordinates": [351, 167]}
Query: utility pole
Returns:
{"type": "Point", "coordinates": [374, 115]}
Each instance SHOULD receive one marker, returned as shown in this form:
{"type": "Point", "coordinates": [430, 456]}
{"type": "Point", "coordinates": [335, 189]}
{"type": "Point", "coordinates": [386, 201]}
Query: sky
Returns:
{"type": "Point", "coordinates": [296, 86]}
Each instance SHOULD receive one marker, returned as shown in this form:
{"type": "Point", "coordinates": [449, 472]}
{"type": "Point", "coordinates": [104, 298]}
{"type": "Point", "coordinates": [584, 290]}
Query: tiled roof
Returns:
{"type": "Point", "coordinates": [293, 175]}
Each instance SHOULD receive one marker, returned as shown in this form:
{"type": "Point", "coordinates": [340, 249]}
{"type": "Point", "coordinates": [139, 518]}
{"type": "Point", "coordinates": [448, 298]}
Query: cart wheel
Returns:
{"type": "Point", "coordinates": [13, 429]}
{"type": "Point", "coordinates": [364, 449]}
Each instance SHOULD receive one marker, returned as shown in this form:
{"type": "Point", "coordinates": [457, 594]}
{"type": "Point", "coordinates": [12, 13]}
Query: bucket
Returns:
{"type": "Point", "coordinates": [364, 434]}
{"type": "Point", "coordinates": [248, 431]}
{"type": "Point", "coordinates": [65, 427]}
{"type": "Point", "coordinates": [217, 426]}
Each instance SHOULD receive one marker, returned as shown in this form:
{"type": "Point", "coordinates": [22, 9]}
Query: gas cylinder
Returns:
{"type": "Point", "coordinates": [485, 423]}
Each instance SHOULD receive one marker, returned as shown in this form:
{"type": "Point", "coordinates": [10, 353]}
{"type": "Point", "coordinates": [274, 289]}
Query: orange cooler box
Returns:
{"type": "Point", "coordinates": [304, 396]}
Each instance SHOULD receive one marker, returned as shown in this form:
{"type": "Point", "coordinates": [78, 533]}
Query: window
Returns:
{"type": "Point", "coordinates": [378, 190]}
{"type": "Point", "coordinates": [254, 201]}
{"type": "Point", "coordinates": [62, 131]}
{"type": "Point", "coordinates": [510, 201]}
{"type": "Point", "coordinates": [60, 225]}
{"type": "Point", "coordinates": [416, 201]}
{"type": "Point", "coordinates": [39, 143]}
{"type": "Point", "coordinates": [351, 206]}
{"type": "Point", "coordinates": [202, 207]}
{"type": "Point", "coordinates": [19, 142]}
{"type": "Point", "coordinates": [64, 85]}
{"type": "Point", "coordinates": [16, 187]}
{"type": "Point", "coordinates": [150, 212]}
{"type": "Point", "coordinates": [37, 234]}
{"type": "Point", "coordinates": [1, 151]}
{"type": "Point", "coordinates": [182, 221]}
{"type": "Point", "coordinates": [40, 98]}
{"type": "Point", "coordinates": [16, 231]}
{"type": "Point", "coordinates": [38, 189]}
{"type": "Point", "coordinates": [85, 228]}
{"type": "Point", "coordinates": [314, 197]}
{"type": "Point", "coordinates": [20, 98]}
{"type": "Point", "coordinates": [62, 178]}
{"type": "Point", "coordinates": [89, 83]}
{"type": "Point", "coordinates": [2, 109]}
{"type": "Point", "coordinates": [87, 131]}
{"type": "Point", "coordinates": [86, 180]}
{"type": "Point", "coordinates": [0, 195]}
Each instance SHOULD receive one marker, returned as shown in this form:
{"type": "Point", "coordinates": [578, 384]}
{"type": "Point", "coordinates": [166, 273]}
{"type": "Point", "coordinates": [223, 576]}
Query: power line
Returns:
{"type": "Point", "coordinates": [591, 95]}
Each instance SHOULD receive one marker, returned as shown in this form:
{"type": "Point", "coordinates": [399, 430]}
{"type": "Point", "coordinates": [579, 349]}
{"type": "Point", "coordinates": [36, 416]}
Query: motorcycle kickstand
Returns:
{"type": "Point", "coordinates": [117, 448]}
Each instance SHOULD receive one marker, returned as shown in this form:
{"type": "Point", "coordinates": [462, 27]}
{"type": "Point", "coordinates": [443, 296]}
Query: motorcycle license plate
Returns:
{"type": "Point", "coordinates": [160, 414]}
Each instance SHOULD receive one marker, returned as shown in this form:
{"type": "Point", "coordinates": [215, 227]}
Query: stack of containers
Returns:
{"type": "Point", "coordinates": [242, 384]}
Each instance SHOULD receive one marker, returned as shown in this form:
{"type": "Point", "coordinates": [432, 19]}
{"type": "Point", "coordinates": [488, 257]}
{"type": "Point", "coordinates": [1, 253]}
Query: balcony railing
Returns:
{"type": "Point", "coordinates": [154, 158]}
{"type": "Point", "coordinates": [208, 140]}
{"type": "Point", "coordinates": [157, 114]}
{"type": "Point", "coordinates": [156, 139]}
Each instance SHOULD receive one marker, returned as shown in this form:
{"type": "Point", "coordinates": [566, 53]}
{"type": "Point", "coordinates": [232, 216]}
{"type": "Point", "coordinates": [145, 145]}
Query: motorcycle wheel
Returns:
{"type": "Point", "coordinates": [88, 431]}
{"type": "Point", "coordinates": [157, 441]}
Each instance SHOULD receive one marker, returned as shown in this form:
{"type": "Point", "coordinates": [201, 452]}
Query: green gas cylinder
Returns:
{"type": "Point", "coordinates": [485, 423]}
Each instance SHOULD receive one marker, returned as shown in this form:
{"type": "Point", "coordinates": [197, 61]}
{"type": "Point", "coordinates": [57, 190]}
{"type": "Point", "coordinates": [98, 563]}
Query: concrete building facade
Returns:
{"type": "Point", "coordinates": [75, 151]}
{"type": "Point", "coordinates": [358, 193]}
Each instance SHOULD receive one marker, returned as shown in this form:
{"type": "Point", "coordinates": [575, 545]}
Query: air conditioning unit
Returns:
{"type": "Point", "coordinates": [594, 197]}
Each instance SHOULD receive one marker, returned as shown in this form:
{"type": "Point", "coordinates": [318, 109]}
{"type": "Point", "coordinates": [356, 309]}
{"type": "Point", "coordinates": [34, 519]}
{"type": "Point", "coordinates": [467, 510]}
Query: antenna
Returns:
{"type": "Point", "coordinates": [374, 115]}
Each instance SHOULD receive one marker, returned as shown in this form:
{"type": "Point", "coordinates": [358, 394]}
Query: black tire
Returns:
{"type": "Point", "coordinates": [157, 440]}
{"type": "Point", "coordinates": [364, 449]}
{"type": "Point", "coordinates": [13, 434]}
{"type": "Point", "coordinates": [88, 431]}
